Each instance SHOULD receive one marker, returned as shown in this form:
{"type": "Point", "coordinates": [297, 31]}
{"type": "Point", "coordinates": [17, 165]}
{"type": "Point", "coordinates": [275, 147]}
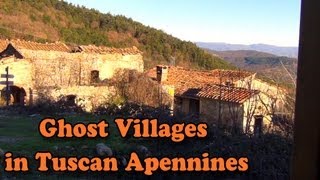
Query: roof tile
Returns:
{"type": "Point", "coordinates": [109, 50]}
{"type": "Point", "coordinates": [184, 79]}
{"type": "Point", "coordinates": [207, 84]}
{"type": "Point", "coordinates": [226, 93]}
{"type": "Point", "coordinates": [3, 44]}
{"type": "Point", "coordinates": [57, 46]}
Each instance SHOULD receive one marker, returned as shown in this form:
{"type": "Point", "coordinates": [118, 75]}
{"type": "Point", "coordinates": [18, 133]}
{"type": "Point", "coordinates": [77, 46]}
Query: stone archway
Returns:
{"type": "Point", "coordinates": [17, 95]}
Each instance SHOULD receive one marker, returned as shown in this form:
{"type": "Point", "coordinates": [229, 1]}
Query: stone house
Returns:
{"type": "Point", "coordinates": [55, 70]}
{"type": "Point", "coordinates": [233, 106]}
{"type": "Point", "coordinates": [223, 97]}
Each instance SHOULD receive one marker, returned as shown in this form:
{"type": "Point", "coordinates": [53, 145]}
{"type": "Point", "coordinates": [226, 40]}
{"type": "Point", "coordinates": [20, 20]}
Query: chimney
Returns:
{"type": "Point", "coordinates": [162, 73]}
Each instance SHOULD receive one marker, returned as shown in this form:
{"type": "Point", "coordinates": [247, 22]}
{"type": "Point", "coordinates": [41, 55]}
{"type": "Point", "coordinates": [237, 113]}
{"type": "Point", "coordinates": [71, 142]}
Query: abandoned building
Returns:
{"type": "Point", "coordinates": [224, 97]}
{"type": "Point", "coordinates": [79, 74]}
{"type": "Point", "coordinates": [55, 70]}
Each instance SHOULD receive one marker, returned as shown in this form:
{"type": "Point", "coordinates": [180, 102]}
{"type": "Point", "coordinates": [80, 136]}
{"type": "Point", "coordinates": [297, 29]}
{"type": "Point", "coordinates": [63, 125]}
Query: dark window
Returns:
{"type": "Point", "coordinates": [70, 100]}
{"type": "Point", "coordinates": [194, 106]}
{"type": "Point", "coordinates": [178, 101]}
{"type": "Point", "coordinates": [95, 76]}
{"type": "Point", "coordinates": [258, 125]}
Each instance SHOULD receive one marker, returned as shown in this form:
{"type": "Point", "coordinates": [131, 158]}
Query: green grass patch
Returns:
{"type": "Point", "coordinates": [20, 134]}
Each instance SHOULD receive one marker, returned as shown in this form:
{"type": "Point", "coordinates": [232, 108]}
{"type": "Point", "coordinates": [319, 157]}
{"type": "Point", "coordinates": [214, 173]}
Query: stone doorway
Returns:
{"type": "Point", "coordinates": [17, 95]}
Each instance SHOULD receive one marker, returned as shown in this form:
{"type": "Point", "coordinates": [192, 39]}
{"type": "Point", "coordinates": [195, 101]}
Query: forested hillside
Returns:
{"type": "Point", "coordinates": [54, 20]}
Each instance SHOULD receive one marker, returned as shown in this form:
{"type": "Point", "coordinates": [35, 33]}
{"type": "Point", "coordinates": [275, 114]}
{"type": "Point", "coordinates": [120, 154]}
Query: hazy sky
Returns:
{"type": "Point", "coordinates": [232, 21]}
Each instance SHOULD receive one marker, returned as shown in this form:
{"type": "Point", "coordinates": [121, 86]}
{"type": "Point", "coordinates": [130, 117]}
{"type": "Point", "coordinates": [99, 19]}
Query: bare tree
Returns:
{"type": "Point", "coordinates": [278, 103]}
{"type": "Point", "coordinates": [139, 88]}
{"type": "Point", "coordinates": [234, 110]}
{"type": "Point", "coordinates": [251, 108]}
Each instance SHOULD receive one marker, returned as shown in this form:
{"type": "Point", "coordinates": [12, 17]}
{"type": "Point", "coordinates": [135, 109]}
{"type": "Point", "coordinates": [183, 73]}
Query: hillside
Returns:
{"type": "Point", "coordinates": [265, 64]}
{"type": "Point", "coordinates": [237, 57]}
{"type": "Point", "coordinates": [54, 20]}
{"type": "Point", "coordinates": [277, 50]}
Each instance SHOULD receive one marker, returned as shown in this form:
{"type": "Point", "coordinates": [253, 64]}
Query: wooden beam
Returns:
{"type": "Point", "coordinates": [306, 154]}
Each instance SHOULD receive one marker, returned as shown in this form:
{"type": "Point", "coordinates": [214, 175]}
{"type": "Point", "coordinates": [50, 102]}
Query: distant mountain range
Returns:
{"type": "Point", "coordinates": [276, 68]}
{"type": "Point", "coordinates": [277, 50]}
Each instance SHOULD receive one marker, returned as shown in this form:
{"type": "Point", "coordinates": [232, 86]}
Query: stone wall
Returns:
{"type": "Point", "coordinates": [230, 113]}
{"type": "Point", "coordinates": [272, 92]}
{"type": "Point", "coordinates": [257, 105]}
{"type": "Point", "coordinates": [108, 64]}
{"type": "Point", "coordinates": [267, 88]}
{"type": "Point", "coordinates": [21, 71]}
{"type": "Point", "coordinates": [245, 82]}
{"type": "Point", "coordinates": [22, 79]}
{"type": "Point", "coordinates": [181, 106]}
{"type": "Point", "coordinates": [67, 73]}
{"type": "Point", "coordinates": [69, 69]}
{"type": "Point", "coordinates": [87, 97]}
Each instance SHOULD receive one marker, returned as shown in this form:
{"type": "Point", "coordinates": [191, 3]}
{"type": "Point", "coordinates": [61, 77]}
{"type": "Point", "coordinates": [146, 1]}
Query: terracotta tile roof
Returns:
{"type": "Point", "coordinates": [109, 50]}
{"type": "Point", "coordinates": [231, 74]}
{"type": "Point", "coordinates": [191, 93]}
{"type": "Point", "coordinates": [225, 93]}
{"type": "Point", "coordinates": [3, 44]}
{"type": "Point", "coordinates": [57, 46]}
{"type": "Point", "coordinates": [184, 79]}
